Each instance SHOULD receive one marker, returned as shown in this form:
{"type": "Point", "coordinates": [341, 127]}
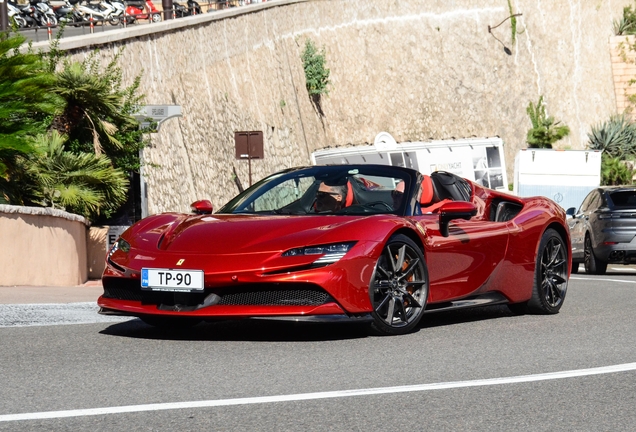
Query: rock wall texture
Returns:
{"type": "Point", "coordinates": [623, 57]}
{"type": "Point", "coordinates": [418, 70]}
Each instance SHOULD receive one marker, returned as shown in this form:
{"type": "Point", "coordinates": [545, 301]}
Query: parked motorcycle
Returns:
{"type": "Point", "coordinates": [181, 11]}
{"type": "Point", "coordinates": [25, 12]}
{"type": "Point", "coordinates": [42, 13]}
{"type": "Point", "coordinates": [140, 9]}
{"type": "Point", "coordinates": [16, 16]}
{"type": "Point", "coordinates": [105, 11]}
{"type": "Point", "coordinates": [67, 12]}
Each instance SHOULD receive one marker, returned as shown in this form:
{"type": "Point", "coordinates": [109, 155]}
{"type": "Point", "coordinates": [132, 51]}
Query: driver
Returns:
{"type": "Point", "coordinates": [330, 198]}
{"type": "Point", "coordinates": [397, 195]}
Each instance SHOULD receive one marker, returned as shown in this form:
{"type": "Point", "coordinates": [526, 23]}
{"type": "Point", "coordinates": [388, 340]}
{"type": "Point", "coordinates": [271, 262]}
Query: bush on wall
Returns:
{"type": "Point", "coordinates": [545, 130]}
{"type": "Point", "coordinates": [316, 72]}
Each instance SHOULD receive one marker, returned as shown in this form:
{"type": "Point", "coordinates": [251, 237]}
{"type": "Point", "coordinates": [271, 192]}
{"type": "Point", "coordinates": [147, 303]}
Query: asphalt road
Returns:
{"type": "Point", "coordinates": [482, 369]}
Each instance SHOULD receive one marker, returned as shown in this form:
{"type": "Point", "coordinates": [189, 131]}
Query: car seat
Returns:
{"type": "Point", "coordinates": [429, 201]}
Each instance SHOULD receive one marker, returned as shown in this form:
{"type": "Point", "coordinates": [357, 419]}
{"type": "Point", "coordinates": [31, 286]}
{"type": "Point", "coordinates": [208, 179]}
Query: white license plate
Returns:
{"type": "Point", "coordinates": [171, 280]}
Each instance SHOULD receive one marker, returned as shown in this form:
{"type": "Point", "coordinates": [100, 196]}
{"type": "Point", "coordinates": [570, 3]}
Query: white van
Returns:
{"type": "Point", "coordinates": [477, 159]}
{"type": "Point", "coordinates": [565, 176]}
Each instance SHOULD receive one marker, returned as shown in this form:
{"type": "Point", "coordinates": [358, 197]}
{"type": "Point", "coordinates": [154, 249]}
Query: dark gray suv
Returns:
{"type": "Point", "coordinates": [603, 230]}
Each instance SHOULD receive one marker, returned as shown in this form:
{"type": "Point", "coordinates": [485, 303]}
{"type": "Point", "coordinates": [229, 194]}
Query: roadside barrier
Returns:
{"type": "Point", "coordinates": [35, 33]}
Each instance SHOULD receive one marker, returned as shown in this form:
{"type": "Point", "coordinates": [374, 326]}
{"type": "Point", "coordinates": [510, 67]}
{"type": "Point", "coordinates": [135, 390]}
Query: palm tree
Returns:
{"type": "Point", "coordinates": [94, 105]}
{"type": "Point", "coordinates": [84, 183]}
{"type": "Point", "coordinates": [26, 100]}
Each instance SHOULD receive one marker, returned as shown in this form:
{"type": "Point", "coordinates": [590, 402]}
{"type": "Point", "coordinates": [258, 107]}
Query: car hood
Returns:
{"type": "Point", "coordinates": [251, 233]}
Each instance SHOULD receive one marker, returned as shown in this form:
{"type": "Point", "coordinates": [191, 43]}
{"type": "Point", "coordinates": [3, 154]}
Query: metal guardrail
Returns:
{"type": "Point", "coordinates": [42, 33]}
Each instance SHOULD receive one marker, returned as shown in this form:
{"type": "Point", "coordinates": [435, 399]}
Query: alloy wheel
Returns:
{"type": "Point", "coordinates": [399, 287]}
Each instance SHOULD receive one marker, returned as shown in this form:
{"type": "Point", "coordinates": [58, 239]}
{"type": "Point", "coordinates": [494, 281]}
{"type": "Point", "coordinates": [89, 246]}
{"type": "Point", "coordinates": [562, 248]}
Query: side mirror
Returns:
{"type": "Point", "coordinates": [454, 210]}
{"type": "Point", "coordinates": [571, 211]}
{"type": "Point", "coordinates": [201, 207]}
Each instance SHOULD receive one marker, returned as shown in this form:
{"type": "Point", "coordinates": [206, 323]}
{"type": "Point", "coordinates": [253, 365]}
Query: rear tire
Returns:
{"type": "Point", "coordinates": [399, 287]}
{"type": "Point", "coordinates": [593, 265]}
{"type": "Point", "coordinates": [156, 18]}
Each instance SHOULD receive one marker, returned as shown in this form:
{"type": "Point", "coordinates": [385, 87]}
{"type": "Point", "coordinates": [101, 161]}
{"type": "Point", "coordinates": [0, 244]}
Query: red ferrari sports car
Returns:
{"type": "Point", "coordinates": [367, 243]}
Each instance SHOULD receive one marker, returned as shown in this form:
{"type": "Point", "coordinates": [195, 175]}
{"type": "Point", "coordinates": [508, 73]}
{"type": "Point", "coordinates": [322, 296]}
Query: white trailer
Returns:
{"type": "Point", "coordinates": [477, 159]}
{"type": "Point", "coordinates": [565, 176]}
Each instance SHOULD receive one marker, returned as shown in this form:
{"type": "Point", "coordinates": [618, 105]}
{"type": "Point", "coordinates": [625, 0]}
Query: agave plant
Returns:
{"type": "Point", "coordinates": [623, 26]}
{"type": "Point", "coordinates": [615, 137]}
{"type": "Point", "coordinates": [626, 25]}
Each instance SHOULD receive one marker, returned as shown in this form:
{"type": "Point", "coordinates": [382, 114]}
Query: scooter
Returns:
{"type": "Point", "coordinates": [111, 11]}
{"type": "Point", "coordinates": [67, 12]}
{"type": "Point", "coordinates": [27, 12]}
{"type": "Point", "coordinates": [181, 11]}
{"type": "Point", "coordinates": [16, 16]}
{"type": "Point", "coordinates": [140, 9]}
{"type": "Point", "coordinates": [42, 13]}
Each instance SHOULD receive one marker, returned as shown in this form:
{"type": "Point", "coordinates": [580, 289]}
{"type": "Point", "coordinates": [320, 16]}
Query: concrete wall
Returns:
{"type": "Point", "coordinates": [418, 70]}
{"type": "Point", "coordinates": [41, 246]}
{"type": "Point", "coordinates": [96, 251]}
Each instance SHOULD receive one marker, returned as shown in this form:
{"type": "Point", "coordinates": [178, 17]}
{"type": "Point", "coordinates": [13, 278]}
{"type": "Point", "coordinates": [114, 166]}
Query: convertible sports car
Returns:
{"type": "Point", "coordinates": [366, 243]}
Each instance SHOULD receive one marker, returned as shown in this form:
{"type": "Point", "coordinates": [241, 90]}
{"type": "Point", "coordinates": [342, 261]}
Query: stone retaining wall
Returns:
{"type": "Point", "coordinates": [418, 70]}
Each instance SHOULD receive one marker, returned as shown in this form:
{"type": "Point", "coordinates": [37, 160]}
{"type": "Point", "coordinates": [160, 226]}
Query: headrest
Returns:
{"type": "Point", "coordinates": [427, 191]}
{"type": "Point", "coordinates": [349, 197]}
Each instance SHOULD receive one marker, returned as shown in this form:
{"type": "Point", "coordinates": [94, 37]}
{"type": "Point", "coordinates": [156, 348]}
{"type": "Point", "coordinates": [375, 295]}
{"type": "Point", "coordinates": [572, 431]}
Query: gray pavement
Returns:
{"type": "Point", "coordinates": [87, 292]}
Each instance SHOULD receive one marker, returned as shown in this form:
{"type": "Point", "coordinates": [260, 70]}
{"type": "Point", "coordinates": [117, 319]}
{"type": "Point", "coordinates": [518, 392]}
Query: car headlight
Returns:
{"type": "Point", "coordinates": [328, 254]}
{"type": "Point", "coordinates": [120, 244]}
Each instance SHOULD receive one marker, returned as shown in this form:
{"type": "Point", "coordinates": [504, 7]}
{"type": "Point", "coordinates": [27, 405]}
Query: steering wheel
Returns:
{"type": "Point", "coordinates": [374, 204]}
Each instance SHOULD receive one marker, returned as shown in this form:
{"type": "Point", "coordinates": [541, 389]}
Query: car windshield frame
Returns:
{"type": "Point", "coordinates": [371, 188]}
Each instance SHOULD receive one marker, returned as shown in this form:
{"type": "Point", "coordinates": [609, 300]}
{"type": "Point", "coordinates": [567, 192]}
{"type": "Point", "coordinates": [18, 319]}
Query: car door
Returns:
{"type": "Point", "coordinates": [461, 263]}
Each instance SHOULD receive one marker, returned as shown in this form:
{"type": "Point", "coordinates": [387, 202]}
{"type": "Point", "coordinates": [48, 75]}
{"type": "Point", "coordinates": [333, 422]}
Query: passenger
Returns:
{"type": "Point", "coordinates": [330, 198]}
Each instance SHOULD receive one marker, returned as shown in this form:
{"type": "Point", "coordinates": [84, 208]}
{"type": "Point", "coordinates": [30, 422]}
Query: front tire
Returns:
{"type": "Point", "coordinates": [156, 18]}
{"type": "Point", "coordinates": [19, 21]}
{"type": "Point", "coordinates": [399, 287]}
{"type": "Point", "coordinates": [593, 265]}
{"type": "Point", "coordinates": [550, 275]}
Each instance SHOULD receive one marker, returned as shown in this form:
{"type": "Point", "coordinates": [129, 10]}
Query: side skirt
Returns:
{"type": "Point", "coordinates": [487, 299]}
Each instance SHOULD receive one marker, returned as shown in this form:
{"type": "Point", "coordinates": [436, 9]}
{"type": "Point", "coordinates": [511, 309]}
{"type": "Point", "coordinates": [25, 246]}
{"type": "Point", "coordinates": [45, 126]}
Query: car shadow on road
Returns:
{"type": "Point", "coordinates": [255, 330]}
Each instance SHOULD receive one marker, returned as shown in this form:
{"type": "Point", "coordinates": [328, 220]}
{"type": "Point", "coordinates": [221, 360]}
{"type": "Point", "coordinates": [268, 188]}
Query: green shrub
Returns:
{"type": "Point", "coordinates": [615, 171]}
{"type": "Point", "coordinates": [316, 73]}
{"type": "Point", "coordinates": [545, 131]}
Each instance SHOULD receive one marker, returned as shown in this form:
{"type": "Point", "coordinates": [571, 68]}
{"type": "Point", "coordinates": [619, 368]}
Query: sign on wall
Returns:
{"type": "Point", "coordinates": [113, 234]}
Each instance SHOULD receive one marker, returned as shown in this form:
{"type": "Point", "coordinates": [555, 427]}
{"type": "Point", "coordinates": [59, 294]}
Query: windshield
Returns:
{"type": "Point", "coordinates": [342, 190]}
